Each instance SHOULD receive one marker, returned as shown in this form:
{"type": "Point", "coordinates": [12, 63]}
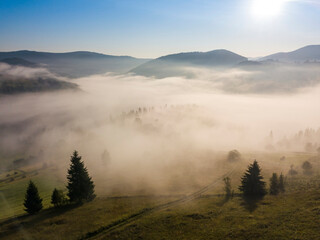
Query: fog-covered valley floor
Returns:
{"type": "Point", "coordinates": [138, 134]}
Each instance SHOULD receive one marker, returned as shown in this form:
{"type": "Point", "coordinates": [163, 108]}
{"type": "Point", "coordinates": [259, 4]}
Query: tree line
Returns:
{"type": "Point", "coordinates": [253, 185]}
{"type": "Point", "coordinates": [80, 188]}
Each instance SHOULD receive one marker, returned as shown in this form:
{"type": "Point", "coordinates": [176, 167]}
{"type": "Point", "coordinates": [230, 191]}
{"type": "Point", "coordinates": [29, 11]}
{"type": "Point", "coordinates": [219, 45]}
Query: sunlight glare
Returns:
{"type": "Point", "coordinates": [267, 8]}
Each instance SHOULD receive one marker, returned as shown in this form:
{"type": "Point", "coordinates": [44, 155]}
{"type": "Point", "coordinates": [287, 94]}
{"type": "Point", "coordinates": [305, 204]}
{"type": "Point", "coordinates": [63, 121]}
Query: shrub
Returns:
{"type": "Point", "coordinates": [58, 198]}
{"type": "Point", "coordinates": [307, 168]}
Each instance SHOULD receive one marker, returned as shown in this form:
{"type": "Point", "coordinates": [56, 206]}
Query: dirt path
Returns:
{"type": "Point", "coordinates": [124, 221]}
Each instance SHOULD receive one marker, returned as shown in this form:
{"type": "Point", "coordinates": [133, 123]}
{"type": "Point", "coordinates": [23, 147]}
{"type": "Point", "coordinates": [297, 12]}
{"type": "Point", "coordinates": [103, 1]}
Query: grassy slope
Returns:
{"type": "Point", "coordinates": [12, 192]}
{"type": "Point", "coordinates": [294, 215]}
{"type": "Point", "coordinates": [289, 216]}
{"type": "Point", "coordinates": [74, 222]}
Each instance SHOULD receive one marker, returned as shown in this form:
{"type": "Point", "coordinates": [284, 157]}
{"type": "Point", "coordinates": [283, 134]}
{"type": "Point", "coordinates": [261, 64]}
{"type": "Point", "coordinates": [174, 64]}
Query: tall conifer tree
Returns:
{"type": "Point", "coordinates": [32, 201]}
{"type": "Point", "coordinates": [252, 183]}
{"type": "Point", "coordinates": [80, 186]}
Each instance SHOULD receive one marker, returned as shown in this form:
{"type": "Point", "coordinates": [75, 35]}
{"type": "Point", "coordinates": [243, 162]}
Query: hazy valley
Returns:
{"type": "Point", "coordinates": [155, 136]}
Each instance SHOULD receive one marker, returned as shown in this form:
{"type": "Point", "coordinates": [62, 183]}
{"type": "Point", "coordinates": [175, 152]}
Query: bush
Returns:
{"type": "Point", "coordinates": [307, 168]}
{"type": "Point", "coordinates": [58, 198]}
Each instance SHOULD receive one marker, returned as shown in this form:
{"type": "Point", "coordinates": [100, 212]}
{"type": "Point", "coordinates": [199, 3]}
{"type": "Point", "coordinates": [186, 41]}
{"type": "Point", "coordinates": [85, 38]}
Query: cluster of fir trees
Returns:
{"type": "Point", "coordinates": [136, 113]}
{"type": "Point", "coordinates": [80, 188]}
{"type": "Point", "coordinates": [253, 185]}
{"type": "Point", "coordinates": [276, 184]}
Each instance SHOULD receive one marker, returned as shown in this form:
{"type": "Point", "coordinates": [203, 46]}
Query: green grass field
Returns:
{"type": "Point", "coordinates": [289, 216]}
{"type": "Point", "coordinates": [292, 215]}
{"type": "Point", "coordinates": [12, 190]}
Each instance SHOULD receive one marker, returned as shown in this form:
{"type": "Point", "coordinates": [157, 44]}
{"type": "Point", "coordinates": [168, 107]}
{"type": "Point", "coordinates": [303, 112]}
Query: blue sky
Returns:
{"type": "Point", "coordinates": [151, 28]}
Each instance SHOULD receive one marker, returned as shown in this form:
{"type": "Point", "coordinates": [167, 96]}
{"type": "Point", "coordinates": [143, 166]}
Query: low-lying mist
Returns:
{"type": "Point", "coordinates": [142, 133]}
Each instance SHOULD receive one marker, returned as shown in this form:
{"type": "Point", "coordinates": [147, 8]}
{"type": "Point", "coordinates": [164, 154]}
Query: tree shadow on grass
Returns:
{"type": "Point", "coordinates": [250, 203]}
{"type": "Point", "coordinates": [23, 222]}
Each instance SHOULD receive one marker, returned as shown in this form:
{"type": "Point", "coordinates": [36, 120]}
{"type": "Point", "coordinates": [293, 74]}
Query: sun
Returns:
{"type": "Point", "coordinates": [267, 8]}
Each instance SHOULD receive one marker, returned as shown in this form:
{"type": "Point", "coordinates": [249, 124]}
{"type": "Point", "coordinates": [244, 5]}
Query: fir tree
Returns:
{"type": "Point", "coordinates": [32, 202]}
{"type": "Point", "coordinates": [281, 183]}
{"type": "Point", "coordinates": [252, 183]}
{"type": "Point", "coordinates": [58, 198]}
{"type": "Point", "coordinates": [80, 186]}
{"type": "Point", "coordinates": [274, 184]}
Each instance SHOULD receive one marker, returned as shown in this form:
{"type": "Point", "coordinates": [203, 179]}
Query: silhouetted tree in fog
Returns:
{"type": "Point", "coordinates": [252, 183]}
{"type": "Point", "coordinates": [32, 202]}
{"type": "Point", "coordinates": [274, 184]}
{"type": "Point", "coordinates": [80, 186]}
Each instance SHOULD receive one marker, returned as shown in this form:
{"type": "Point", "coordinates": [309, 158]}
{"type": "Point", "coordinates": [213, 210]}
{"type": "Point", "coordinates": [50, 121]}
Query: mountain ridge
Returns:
{"type": "Point", "coordinates": [176, 64]}
{"type": "Point", "coordinates": [77, 64]}
{"type": "Point", "coordinates": [309, 52]}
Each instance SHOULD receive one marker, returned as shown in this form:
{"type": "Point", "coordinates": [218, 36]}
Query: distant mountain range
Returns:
{"type": "Point", "coordinates": [81, 63]}
{"type": "Point", "coordinates": [19, 62]}
{"type": "Point", "coordinates": [309, 53]}
{"type": "Point", "coordinates": [76, 64]}
{"type": "Point", "coordinates": [182, 63]}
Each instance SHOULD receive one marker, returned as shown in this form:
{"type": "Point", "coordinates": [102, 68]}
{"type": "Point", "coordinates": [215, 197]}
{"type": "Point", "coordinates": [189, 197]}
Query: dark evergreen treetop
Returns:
{"type": "Point", "coordinates": [274, 184]}
{"type": "Point", "coordinates": [57, 198]}
{"type": "Point", "coordinates": [252, 183]}
{"type": "Point", "coordinates": [80, 186]}
{"type": "Point", "coordinates": [32, 202]}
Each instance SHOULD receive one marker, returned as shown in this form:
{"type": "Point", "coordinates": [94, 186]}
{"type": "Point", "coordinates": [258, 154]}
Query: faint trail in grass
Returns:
{"type": "Point", "coordinates": [131, 218]}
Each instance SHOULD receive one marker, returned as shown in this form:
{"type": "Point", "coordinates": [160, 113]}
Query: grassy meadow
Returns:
{"type": "Point", "coordinates": [294, 214]}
